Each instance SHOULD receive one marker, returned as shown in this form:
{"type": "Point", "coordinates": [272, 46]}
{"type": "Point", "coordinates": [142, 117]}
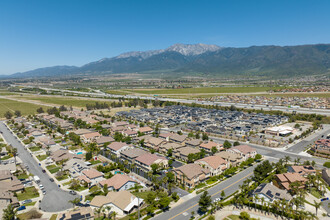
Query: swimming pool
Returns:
{"type": "Point", "coordinates": [78, 153]}
{"type": "Point", "coordinates": [118, 172]}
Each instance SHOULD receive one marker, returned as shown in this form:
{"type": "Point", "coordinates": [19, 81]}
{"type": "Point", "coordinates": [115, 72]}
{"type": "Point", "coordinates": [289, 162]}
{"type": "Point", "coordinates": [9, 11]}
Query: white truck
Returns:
{"type": "Point", "coordinates": [36, 179]}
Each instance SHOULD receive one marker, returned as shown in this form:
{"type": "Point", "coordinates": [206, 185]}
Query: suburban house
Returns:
{"type": "Point", "coordinates": [145, 161]}
{"type": "Point", "coordinates": [166, 136]}
{"type": "Point", "coordinates": [118, 182]}
{"type": "Point", "coordinates": [145, 130]}
{"type": "Point", "coordinates": [191, 174]}
{"type": "Point", "coordinates": [121, 202]}
{"type": "Point", "coordinates": [91, 177]}
{"type": "Point", "coordinates": [232, 159]}
{"type": "Point", "coordinates": [182, 153]}
{"type": "Point", "coordinates": [165, 147]}
{"type": "Point", "coordinates": [75, 167]}
{"type": "Point", "coordinates": [194, 142]}
{"type": "Point", "coordinates": [244, 150]}
{"type": "Point", "coordinates": [215, 164]}
{"type": "Point", "coordinates": [100, 141]}
{"type": "Point", "coordinates": [304, 170]}
{"type": "Point", "coordinates": [117, 147]}
{"type": "Point", "coordinates": [152, 142]}
{"type": "Point", "coordinates": [129, 133]}
{"type": "Point", "coordinates": [61, 154]}
{"type": "Point", "coordinates": [180, 139]}
{"type": "Point", "coordinates": [322, 148]}
{"type": "Point", "coordinates": [207, 146]}
{"type": "Point", "coordinates": [131, 154]}
{"type": "Point", "coordinates": [85, 213]}
{"type": "Point", "coordinates": [9, 182]}
{"type": "Point", "coordinates": [284, 180]}
{"type": "Point", "coordinates": [270, 193]}
{"type": "Point", "coordinates": [6, 198]}
{"type": "Point", "coordinates": [90, 137]}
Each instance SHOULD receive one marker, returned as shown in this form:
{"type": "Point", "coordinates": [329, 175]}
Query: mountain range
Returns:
{"type": "Point", "coordinates": [272, 61]}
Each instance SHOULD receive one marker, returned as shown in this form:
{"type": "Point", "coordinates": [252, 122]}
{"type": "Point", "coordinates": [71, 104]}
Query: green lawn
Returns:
{"type": "Point", "coordinates": [29, 193]}
{"type": "Point", "coordinates": [142, 195]}
{"type": "Point", "coordinates": [204, 90]}
{"type": "Point", "coordinates": [35, 148]}
{"type": "Point", "coordinates": [42, 157]}
{"type": "Point", "coordinates": [23, 176]}
{"type": "Point", "coordinates": [6, 157]}
{"type": "Point", "coordinates": [30, 204]}
{"type": "Point", "coordinates": [53, 168]}
{"type": "Point", "coordinates": [69, 101]}
{"type": "Point", "coordinates": [233, 217]}
{"type": "Point", "coordinates": [10, 105]}
{"type": "Point", "coordinates": [316, 193]}
{"type": "Point", "coordinates": [53, 217]}
{"type": "Point", "coordinates": [64, 177]}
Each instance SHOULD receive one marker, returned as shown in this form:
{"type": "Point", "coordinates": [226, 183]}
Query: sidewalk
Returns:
{"type": "Point", "coordinates": [232, 210]}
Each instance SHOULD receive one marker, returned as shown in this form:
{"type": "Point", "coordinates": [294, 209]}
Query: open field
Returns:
{"type": "Point", "coordinates": [67, 101]}
{"type": "Point", "coordinates": [11, 105]}
{"type": "Point", "coordinates": [203, 90]}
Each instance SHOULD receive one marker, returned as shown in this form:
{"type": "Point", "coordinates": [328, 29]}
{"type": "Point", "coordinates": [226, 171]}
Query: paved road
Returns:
{"type": "Point", "coordinates": [55, 199]}
{"type": "Point", "coordinates": [299, 147]}
{"type": "Point", "coordinates": [229, 186]}
{"type": "Point", "coordinates": [238, 105]}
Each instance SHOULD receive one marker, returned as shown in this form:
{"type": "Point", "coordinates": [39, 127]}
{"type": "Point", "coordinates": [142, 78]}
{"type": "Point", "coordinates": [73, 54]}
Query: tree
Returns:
{"type": "Point", "coordinates": [204, 202]}
{"type": "Point", "coordinates": [226, 144]}
{"type": "Point", "coordinates": [164, 202]}
{"type": "Point", "coordinates": [258, 157]}
{"type": "Point", "coordinates": [262, 170]}
{"type": "Point", "coordinates": [287, 159]}
{"type": "Point", "coordinates": [105, 189]}
{"type": "Point", "coordinates": [236, 143]}
{"type": "Point", "coordinates": [205, 136]}
{"type": "Point", "coordinates": [9, 213]}
{"type": "Point", "coordinates": [40, 110]}
{"type": "Point", "coordinates": [170, 162]}
{"type": "Point", "coordinates": [169, 152]}
{"type": "Point", "coordinates": [18, 113]}
{"type": "Point", "coordinates": [317, 205]}
{"type": "Point", "coordinates": [154, 168]}
{"type": "Point", "coordinates": [223, 194]}
{"type": "Point", "coordinates": [75, 201]}
{"type": "Point", "coordinates": [8, 115]}
{"type": "Point", "coordinates": [244, 216]}
{"type": "Point", "coordinates": [151, 196]}
{"type": "Point", "coordinates": [14, 152]}
{"type": "Point", "coordinates": [113, 214]}
{"type": "Point", "coordinates": [214, 150]}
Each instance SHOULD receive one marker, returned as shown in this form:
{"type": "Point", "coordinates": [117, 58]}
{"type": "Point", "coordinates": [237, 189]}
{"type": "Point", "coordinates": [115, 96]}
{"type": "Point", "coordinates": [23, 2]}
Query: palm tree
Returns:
{"type": "Point", "coordinates": [113, 214]}
{"type": "Point", "coordinates": [9, 213]}
{"type": "Point", "coordinates": [14, 152]}
{"type": "Point", "coordinates": [75, 201]}
{"type": "Point", "coordinates": [108, 208]}
{"type": "Point", "coordinates": [262, 202]}
{"type": "Point", "coordinates": [256, 199]}
{"type": "Point", "coordinates": [287, 159]}
{"type": "Point", "coordinates": [317, 206]}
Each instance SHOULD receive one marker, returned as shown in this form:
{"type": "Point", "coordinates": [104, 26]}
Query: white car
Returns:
{"type": "Point", "coordinates": [41, 187]}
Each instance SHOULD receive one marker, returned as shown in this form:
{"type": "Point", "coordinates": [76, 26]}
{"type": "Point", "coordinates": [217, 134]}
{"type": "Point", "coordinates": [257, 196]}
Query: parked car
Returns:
{"type": "Point", "coordinates": [51, 179]}
{"type": "Point", "coordinates": [43, 170]}
{"type": "Point", "coordinates": [41, 187]}
{"type": "Point", "coordinates": [324, 199]}
{"type": "Point", "coordinates": [21, 208]}
{"type": "Point", "coordinates": [73, 192]}
{"type": "Point", "coordinates": [44, 192]}
{"type": "Point", "coordinates": [27, 201]}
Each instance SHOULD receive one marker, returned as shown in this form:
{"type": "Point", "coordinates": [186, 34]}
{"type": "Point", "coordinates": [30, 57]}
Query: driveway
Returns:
{"type": "Point", "coordinates": [55, 199]}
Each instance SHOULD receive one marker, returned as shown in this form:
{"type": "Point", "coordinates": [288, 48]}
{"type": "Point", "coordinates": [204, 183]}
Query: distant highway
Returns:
{"type": "Point", "coordinates": [189, 101]}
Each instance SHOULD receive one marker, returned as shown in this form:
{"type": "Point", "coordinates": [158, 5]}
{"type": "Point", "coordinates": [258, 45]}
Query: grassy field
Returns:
{"type": "Point", "coordinates": [204, 90]}
{"type": "Point", "coordinates": [10, 105]}
{"type": "Point", "coordinates": [76, 102]}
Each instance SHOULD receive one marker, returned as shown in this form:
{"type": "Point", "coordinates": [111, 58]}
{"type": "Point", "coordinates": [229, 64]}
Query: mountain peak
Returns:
{"type": "Point", "coordinates": [193, 49]}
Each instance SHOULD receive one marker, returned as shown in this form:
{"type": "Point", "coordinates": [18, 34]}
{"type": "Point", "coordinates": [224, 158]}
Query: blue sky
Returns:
{"type": "Point", "coordinates": [40, 33]}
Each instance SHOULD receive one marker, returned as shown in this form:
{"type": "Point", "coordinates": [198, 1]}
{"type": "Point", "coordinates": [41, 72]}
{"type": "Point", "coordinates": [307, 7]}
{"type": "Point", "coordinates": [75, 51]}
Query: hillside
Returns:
{"type": "Point", "coordinates": [273, 61]}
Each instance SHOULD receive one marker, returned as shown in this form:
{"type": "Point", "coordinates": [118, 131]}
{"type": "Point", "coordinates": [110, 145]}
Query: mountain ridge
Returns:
{"type": "Point", "coordinates": [206, 59]}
